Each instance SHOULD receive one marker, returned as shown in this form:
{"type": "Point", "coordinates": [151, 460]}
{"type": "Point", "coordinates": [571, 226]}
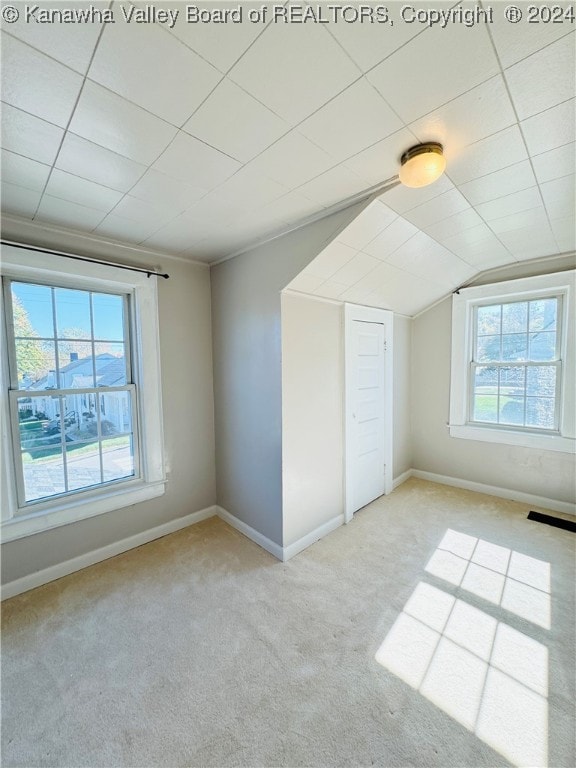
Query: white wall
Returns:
{"type": "Point", "coordinates": [402, 441]}
{"type": "Point", "coordinates": [188, 408]}
{"type": "Point", "coordinates": [312, 414]}
{"type": "Point", "coordinates": [543, 473]}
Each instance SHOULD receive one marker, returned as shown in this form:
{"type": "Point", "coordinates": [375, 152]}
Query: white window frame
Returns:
{"type": "Point", "coordinates": [45, 268]}
{"type": "Point", "coordinates": [464, 304]}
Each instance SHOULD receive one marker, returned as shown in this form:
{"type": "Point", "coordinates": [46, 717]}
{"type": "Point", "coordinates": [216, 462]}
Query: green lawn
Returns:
{"type": "Point", "coordinates": [50, 452]}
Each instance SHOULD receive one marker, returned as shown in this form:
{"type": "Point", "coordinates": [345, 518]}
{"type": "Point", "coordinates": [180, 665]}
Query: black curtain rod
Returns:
{"type": "Point", "coordinates": [147, 272]}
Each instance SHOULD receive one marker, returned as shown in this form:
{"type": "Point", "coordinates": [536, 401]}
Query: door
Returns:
{"type": "Point", "coordinates": [368, 423]}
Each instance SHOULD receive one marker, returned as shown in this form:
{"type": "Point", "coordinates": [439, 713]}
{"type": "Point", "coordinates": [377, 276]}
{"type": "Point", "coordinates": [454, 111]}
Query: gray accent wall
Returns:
{"type": "Point", "coordinates": [188, 408]}
{"type": "Point", "coordinates": [543, 473]}
{"type": "Point", "coordinates": [246, 327]}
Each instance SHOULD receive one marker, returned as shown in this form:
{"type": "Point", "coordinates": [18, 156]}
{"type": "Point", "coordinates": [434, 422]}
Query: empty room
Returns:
{"type": "Point", "coordinates": [288, 402]}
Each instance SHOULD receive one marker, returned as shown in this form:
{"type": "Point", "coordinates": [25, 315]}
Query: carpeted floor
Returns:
{"type": "Point", "coordinates": [425, 633]}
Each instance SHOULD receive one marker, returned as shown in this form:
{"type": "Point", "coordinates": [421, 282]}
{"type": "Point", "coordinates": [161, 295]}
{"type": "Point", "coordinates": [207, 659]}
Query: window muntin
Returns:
{"type": "Point", "coordinates": [72, 399]}
{"type": "Point", "coordinates": [516, 368]}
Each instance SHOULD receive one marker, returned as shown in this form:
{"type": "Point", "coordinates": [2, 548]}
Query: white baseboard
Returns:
{"type": "Point", "coordinates": [402, 478]}
{"type": "Point", "coordinates": [54, 572]}
{"type": "Point", "coordinates": [251, 533]}
{"type": "Point", "coordinates": [313, 536]}
{"type": "Point", "coordinates": [493, 490]}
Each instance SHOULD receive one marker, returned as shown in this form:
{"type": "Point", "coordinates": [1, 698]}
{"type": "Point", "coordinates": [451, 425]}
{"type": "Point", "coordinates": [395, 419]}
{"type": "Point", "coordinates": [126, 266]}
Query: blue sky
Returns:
{"type": "Point", "coordinates": [72, 311]}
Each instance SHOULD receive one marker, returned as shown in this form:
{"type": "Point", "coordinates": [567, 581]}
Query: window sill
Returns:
{"type": "Point", "coordinates": [77, 509]}
{"type": "Point", "coordinates": [509, 437]}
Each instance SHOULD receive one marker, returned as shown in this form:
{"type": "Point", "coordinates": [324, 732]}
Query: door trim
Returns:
{"type": "Point", "coordinates": [352, 313]}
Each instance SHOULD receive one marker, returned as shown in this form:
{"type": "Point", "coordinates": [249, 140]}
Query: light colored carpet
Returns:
{"type": "Point", "coordinates": [200, 649]}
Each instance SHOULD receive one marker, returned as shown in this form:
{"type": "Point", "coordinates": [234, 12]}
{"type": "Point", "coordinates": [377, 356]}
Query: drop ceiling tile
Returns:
{"type": "Point", "coordinates": [560, 197]}
{"type": "Point", "coordinates": [564, 233]}
{"type": "Point", "coordinates": [249, 190]}
{"type": "Point", "coordinates": [423, 257]}
{"type": "Point", "coordinates": [305, 283]}
{"type": "Point", "coordinates": [153, 69]}
{"type": "Point", "coordinates": [29, 136]}
{"type": "Point", "coordinates": [475, 236]}
{"type": "Point", "coordinates": [367, 225]}
{"type": "Point", "coordinates": [532, 242]}
{"type": "Point", "coordinates": [20, 200]}
{"type": "Point", "coordinates": [331, 290]}
{"type": "Point", "coordinates": [290, 208]}
{"type": "Point", "coordinates": [483, 254]}
{"type": "Point", "coordinates": [382, 160]}
{"type": "Point", "coordinates": [178, 236]}
{"type": "Point", "coordinates": [519, 221]}
{"type": "Point", "coordinates": [488, 155]}
{"type": "Point", "coordinates": [219, 43]}
{"type": "Point", "coordinates": [550, 129]}
{"type": "Point", "coordinates": [369, 40]}
{"type": "Point", "coordinates": [23, 171]}
{"type": "Point", "coordinates": [121, 228]}
{"type": "Point", "coordinates": [194, 162]}
{"type": "Point", "coordinates": [494, 185]}
{"type": "Point", "coordinates": [555, 163]}
{"type": "Point", "coordinates": [513, 46]}
{"type": "Point", "coordinates": [112, 122]}
{"type": "Point", "coordinates": [69, 214]}
{"type": "Point", "coordinates": [278, 69]}
{"type": "Point", "coordinates": [153, 214]}
{"type": "Point", "coordinates": [399, 78]}
{"type": "Point", "coordinates": [479, 113]}
{"type": "Point", "coordinates": [357, 295]}
{"type": "Point", "coordinates": [541, 81]}
{"type": "Point", "coordinates": [459, 222]}
{"type": "Point", "coordinates": [357, 118]}
{"type": "Point", "coordinates": [390, 239]}
{"type": "Point", "coordinates": [433, 211]}
{"type": "Point", "coordinates": [235, 123]}
{"type": "Point", "coordinates": [65, 186]}
{"type": "Point", "coordinates": [157, 188]}
{"type": "Point", "coordinates": [90, 161]}
{"type": "Point", "coordinates": [37, 84]}
{"type": "Point", "coordinates": [405, 293]}
{"type": "Point", "coordinates": [292, 161]}
{"type": "Point", "coordinates": [330, 260]}
{"type": "Point", "coordinates": [333, 187]}
{"type": "Point", "coordinates": [402, 199]}
{"type": "Point", "coordinates": [509, 204]}
{"type": "Point", "coordinates": [74, 50]}
{"type": "Point", "coordinates": [358, 267]}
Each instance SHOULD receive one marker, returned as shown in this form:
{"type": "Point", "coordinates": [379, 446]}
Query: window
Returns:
{"type": "Point", "coordinates": [513, 363]}
{"type": "Point", "coordinates": [65, 347]}
{"type": "Point", "coordinates": [82, 423]}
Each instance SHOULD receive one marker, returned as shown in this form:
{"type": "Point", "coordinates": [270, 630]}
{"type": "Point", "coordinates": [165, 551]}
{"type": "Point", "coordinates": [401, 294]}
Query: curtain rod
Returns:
{"type": "Point", "coordinates": [147, 272]}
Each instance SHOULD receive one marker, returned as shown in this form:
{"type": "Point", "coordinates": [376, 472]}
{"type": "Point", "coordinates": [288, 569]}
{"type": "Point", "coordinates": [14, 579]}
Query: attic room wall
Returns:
{"type": "Point", "coordinates": [186, 359]}
{"type": "Point", "coordinates": [313, 411]}
{"type": "Point", "coordinates": [543, 473]}
{"type": "Point", "coordinates": [247, 370]}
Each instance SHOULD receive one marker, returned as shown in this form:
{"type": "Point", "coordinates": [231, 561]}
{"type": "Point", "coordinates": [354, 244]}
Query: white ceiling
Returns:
{"type": "Point", "coordinates": [203, 139]}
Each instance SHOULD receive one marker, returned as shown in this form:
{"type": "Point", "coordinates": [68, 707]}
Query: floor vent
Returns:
{"type": "Point", "coordinates": [557, 522]}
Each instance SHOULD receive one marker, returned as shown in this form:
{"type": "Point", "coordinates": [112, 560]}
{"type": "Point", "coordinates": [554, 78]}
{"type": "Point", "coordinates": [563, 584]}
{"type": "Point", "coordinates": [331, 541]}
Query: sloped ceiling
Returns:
{"type": "Point", "coordinates": [205, 138]}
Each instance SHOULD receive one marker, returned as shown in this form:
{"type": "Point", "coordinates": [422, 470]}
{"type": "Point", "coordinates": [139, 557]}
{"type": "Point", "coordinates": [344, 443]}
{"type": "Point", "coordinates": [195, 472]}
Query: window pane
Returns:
{"type": "Point", "coordinates": [108, 313]}
{"type": "Point", "coordinates": [515, 346]}
{"type": "Point", "coordinates": [540, 412]}
{"type": "Point", "coordinates": [543, 314]}
{"type": "Point", "coordinates": [541, 380]}
{"type": "Point", "coordinates": [486, 408]}
{"type": "Point", "coordinates": [486, 380]}
{"type": "Point", "coordinates": [515, 317]}
{"type": "Point", "coordinates": [35, 363]}
{"type": "Point", "coordinates": [511, 410]}
{"type": "Point", "coordinates": [543, 345]}
{"type": "Point", "coordinates": [32, 307]}
{"type": "Point", "coordinates": [115, 413]}
{"type": "Point", "coordinates": [488, 349]}
{"type": "Point", "coordinates": [75, 361]}
{"type": "Point", "coordinates": [83, 465]}
{"type": "Point", "coordinates": [80, 418]}
{"type": "Point", "coordinates": [489, 320]}
{"type": "Point", "coordinates": [512, 381]}
{"type": "Point", "coordinates": [72, 313]}
{"type": "Point", "coordinates": [110, 365]}
{"type": "Point", "coordinates": [43, 472]}
{"type": "Point", "coordinates": [117, 458]}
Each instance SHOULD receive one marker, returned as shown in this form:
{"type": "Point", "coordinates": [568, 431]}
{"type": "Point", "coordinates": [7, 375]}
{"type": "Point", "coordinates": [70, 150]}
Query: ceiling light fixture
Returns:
{"type": "Point", "coordinates": [422, 164]}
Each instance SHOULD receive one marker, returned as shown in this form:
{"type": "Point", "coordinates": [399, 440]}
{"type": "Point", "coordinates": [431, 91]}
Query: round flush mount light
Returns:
{"type": "Point", "coordinates": [422, 164]}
